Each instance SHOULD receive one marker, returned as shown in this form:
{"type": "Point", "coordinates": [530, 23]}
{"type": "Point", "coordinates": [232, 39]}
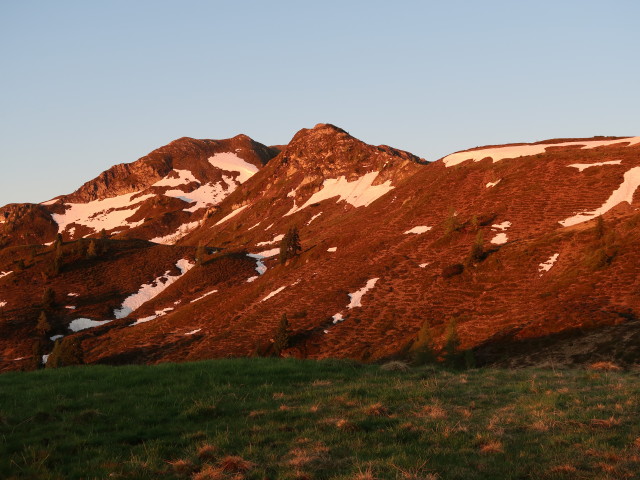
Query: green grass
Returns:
{"type": "Point", "coordinates": [279, 419]}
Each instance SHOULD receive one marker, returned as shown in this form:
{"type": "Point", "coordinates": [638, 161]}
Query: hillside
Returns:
{"type": "Point", "coordinates": [528, 251]}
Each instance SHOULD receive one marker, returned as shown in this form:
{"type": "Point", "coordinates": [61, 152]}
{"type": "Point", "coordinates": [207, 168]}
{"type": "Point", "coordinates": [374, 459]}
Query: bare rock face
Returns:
{"type": "Point", "coordinates": [25, 224]}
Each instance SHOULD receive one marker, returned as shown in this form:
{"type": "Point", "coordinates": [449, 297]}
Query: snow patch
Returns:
{"type": "Point", "coordinates": [337, 318]}
{"type": "Point", "coordinates": [192, 332]}
{"type": "Point", "coordinates": [583, 166]}
{"type": "Point", "coordinates": [332, 249]}
{"type": "Point", "coordinates": [275, 292]}
{"type": "Point", "coordinates": [424, 265]}
{"type": "Point", "coordinates": [252, 279]}
{"type": "Point", "coordinates": [73, 294]}
{"type": "Point", "coordinates": [172, 238]}
{"type": "Point", "coordinates": [418, 230]}
{"type": "Point", "coordinates": [56, 337]}
{"type": "Point", "coordinates": [516, 151]}
{"type": "Point", "coordinates": [231, 215]}
{"type": "Point", "coordinates": [184, 177]}
{"type": "Point", "coordinates": [206, 195]}
{"type": "Point", "coordinates": [2, 304]}
{"type": "Point", "coordinates": [4, 274]}
{"type": "Point", "coordinates": [109, 213]}
{"type": "Point", "coordinates": [492, 184]}
{"type": "Point", "coordinates": [203, 296]}
{"type": "Point", "coordinates": [44, 359]}
{"type": "Point", "coordinates": [499, 239]}
{"type": "Point", "coordinates": [150, 290]}
{"type": "Point", "coordinates": [359, 193]}
{"type": "Point", "coordinates": [624, 193]}
{"type": "Point", "coordinates": [356, 297]}
{"type": "Point", "coordinates": [546, 266]}
{"type": "Point", "coordinates": [275, 239]}
{"type": "Point", "coordinates": [501, 226]}
{"type": "Point", "coordinates": [85, 323]}
{"type": "Point", "coordinates": [70, 307]}
{"type": "Point", "coordinates": [314, 217]}
{"type": "Point", "coordinates": [230, 162]}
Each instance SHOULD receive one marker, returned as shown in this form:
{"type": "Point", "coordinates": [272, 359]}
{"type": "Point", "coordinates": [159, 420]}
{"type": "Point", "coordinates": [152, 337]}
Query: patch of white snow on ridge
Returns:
{"type": "Point", "coordinates": [158, 313]}
{"type": "Point", "coordinates": [356, 297]}
{"type": "Point", "coordinates": [150, 290]}
{"type": "Point", "coordinates": [2, 304]}
{"type": "Point", "coordinates": [314, 217]}
{"type": "Point", "coordinates": [275, 292]}
{"type": "Point", "coordinates": [73, 294]}
{"type": "Point", "coordinates": [492, 184]}
{"type": "Point", "coordinates": [275, 239]}
{"type": "Point", "coordinates": [359, 193]}
{"type": "Point", "coordinates": [499, 239]}
{"type": "Point", "coordinates": [172, 238]}
{"type": "Point", "coordinates": [192, 332]}
{"type": "Point", "coordinates": [206, 195]}
{"type": "Point", "coordinates": [203, 296]}
{"type": "Point", "coordinates": [546, 266]}
{"type": "Point", "coordinates": [252, 279]}
{"type": "Point", "coordinates": [424, 265]}
{"type": "Point", "coordinates": [45, 358]}
{"type": "Point", "coordinates": [269, 253]}
{"type": "Point", "coordinates": [332, 249]}
{"type": "Point", "coordinates": [419, 229]}
{"type": "Point", "coordinates": [231, 215]}
{"type": "Point", "coordinates": [260, 266]}
{"type": "Point", "coordinates": [56, 337]}
{"type": "Point", "coordinates": [230, 162]}
{"type": "Point", "coordinates": [583, 166]}
{"type": "Point", "coordinates": [501, 226]}
{"type": "Point", "coordinates": [337, 318]}
{"type": "Point", "coordinates": [85, 323]}
{"type": "Point", "coordinates": [624, 193]}
{"type": "Point", "coordinates": [109, 213]}
{"type": "Point", "coordinates": [184, 177]}
{"type": "Point", "coordinates": [516, 151]}
{"type": "Point", "coordinates": [4, 274]}
{"type": "Point", "coordinates": [70, 307]}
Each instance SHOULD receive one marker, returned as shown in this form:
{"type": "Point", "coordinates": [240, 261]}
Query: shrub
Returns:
{"type": "Point", "coordinates": [290, 245]}
{"type": "Point", "coordinates": [43, 327]}
{"type": "Point", "coordinates": [422, 350]}
{"type": "Point", "coordinates": [452, 270]}
{"type": "Point", "coordinates": [66, 352]}
{"type": "Point", "coordinates": [452, 223]}
{"type": "Point", "coordinates": [476, 255]}
{"type": "Point", "coordinates": [452, 344]}
{"type": "Point", "coordinates": [282, 337]}
{"type": "Point", "coordinates": [92, 251]}
{"type": "Point", "coordinates": [48, 299]}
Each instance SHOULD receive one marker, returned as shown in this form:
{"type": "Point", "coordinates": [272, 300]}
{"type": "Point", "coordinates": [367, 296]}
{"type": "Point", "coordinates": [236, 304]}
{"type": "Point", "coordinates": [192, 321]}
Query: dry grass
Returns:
{"type": "Point", "coordinates": [395, 366]}
{"type": "Point", "coordinates": [605, 367]}
{"type": "Point", "coordinates": [237, 464]}
{"type": "Point", "coordinates": [377, 410]}
{"type": "Point", "coordinates": [493, 446]}
{"type": "Point", "coordinates": [207, 452]}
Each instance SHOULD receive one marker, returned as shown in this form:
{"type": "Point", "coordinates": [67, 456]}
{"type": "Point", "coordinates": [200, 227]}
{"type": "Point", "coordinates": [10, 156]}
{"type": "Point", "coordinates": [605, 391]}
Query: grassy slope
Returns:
{"type": "Point", "coordinates": [327, 419]}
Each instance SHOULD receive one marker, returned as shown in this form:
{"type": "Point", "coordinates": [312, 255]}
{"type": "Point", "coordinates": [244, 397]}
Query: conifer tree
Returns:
{"type": "Point", "coordinates": [476, 254]}
{"type": "Point", "coordinates": [92, 250]}
{"type": "Point", "coordinates": [290, 245]}
{"type": "Point", "coordinates": [200, 254]}
{"type": "Point", "coordinates": [452, 343]}
{"type": "Point", "coordinates": [43, 327]}
{"type": "Point", "coordinates": [66, 352]}
{"type": "Point", "coordinates": [282, 337]}
{"type": "Point", "coordinates": [422, 349]}
{"type": "Point", "coordinates": [48, 299]}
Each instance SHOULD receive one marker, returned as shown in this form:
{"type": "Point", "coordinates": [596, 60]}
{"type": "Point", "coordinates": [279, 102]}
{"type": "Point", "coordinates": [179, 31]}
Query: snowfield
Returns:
{"type": "Point", "coordinates": [274, 293]}
{"type": "Point", "coordinates": [231, 215]}
{"type": "Point", "coordinates": [172, 238]}
{"type": "Point", "coordinates": [499, 239]}
{"type": "Point", "coordinates": [624, 193]}
{"type": "Point", "coordinates": [85, 323]}
{"type": "Point", "coordinates": [109, 213]}
{"type": "Point", "coordinates": [275, 239]}
{"type": "Point", "coordinates": [516, 151]}
{"type": "Point", "coordinates": [419, 230]}
{"type": "Point", "coordinates": [359, 193]}
{"type": "Point", "coordinates": [183, 177]}
{"type": "Point", "coordinates": [4, 274]}
{"type": "Point", "coordinates": [230, 162]}
{"type": "Point", "coordinates": [203, 296]}
{"type": "Point", "coordinates": [356, 297]}
{"type": "Point", "coordinates": [151, 290]}
{"type": "Point", "coordinates": [546, 266]}
{"type": "Point", "coordinates": [583, 166]}
{"type": "Point", "coordinates": [492, 184]}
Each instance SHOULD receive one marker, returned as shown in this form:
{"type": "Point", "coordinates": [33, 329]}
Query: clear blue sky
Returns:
{"type": "Point", "coordinates": [88, 84]}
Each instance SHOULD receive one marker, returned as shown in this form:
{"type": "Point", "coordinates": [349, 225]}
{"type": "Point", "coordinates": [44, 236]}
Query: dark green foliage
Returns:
{"type": "Point", "coordinates": [66, 352]}
{"type": "Point", "coordinates": [92, 251]}
{"type": "Point", "coordinates": [201, 253]}
{"type": "Point", "coordinates": [43, 327]}
{"type": "Point", "coordinates": [422, 350]}
{"type": "Point", "coordinates": [452, 223]}
{"type": "Point", "coordinates": [290, 245]}
{"type": "Point", "coordinates": [452, 270]}
{"type": "Point", "coordinates": [600, 227]}
{"type": "Point", "coordinates": [48, 299]}
{"type": "Point", "coordinates": [103, 234]}
{"type": "Point", "coordinates": [39, 348]}
{"type": "Point", "coordinates": [282, 338]}
{"type": "Point", "coordinates": [476, 255]}
{"type": "Point", "coordinates": [450, 351]}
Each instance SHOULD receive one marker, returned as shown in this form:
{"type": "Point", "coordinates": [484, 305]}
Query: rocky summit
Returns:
{"type": "Point", "coordinates": [521, 254]}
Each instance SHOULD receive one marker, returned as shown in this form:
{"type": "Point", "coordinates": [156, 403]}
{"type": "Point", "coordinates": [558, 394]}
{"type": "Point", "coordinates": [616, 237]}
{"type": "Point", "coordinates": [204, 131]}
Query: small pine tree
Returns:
{"type": "Point", "coordinates": [422, 348]}
{"type": "Point", "coordinates": [92, 250]}
{"type": "Point", "coordinates": [452, 343]}
{"type": "Point", "coordinates": [48, 299]}
{"type": "Point", "coordinates": [38, 349]}
{"type": "Point", "coordinates": [103, 234]}
{"type": "Point", "coordinates": [600, 227]}
{"type": "Point", "coordinates": [290, 245]}
{"type": "Point", "coordinates": [452, 223]}
{"type": "Point", "coordinates": [200, 254]}
{"type": "Point", "coordinates": [282, 337]}
{"type": "Point", "coordinates": [66, 352]}
{"type": "Point", "coordinates": [43, 327]}
{"type": "Point", "coordinates": [476, 254]}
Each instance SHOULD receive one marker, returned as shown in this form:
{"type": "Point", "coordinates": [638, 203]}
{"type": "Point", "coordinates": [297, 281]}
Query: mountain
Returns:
{"type": "Point", "coordinates": [528, 251]}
